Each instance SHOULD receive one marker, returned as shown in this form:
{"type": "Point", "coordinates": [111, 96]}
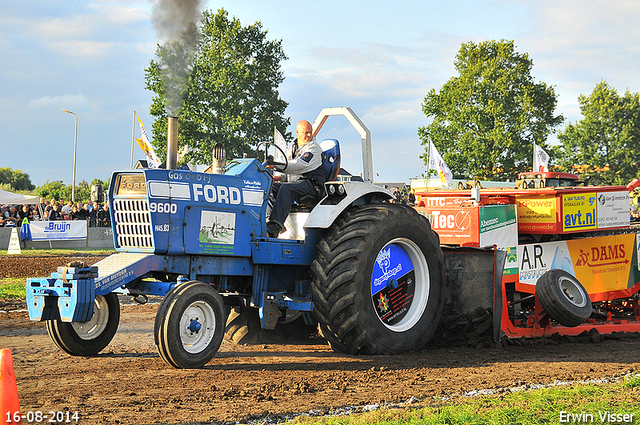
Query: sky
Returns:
{"type": "Point", "coordinates": [378, 57]}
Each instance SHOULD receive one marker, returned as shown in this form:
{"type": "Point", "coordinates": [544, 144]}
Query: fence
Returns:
{"type": "Point", "coordinates": [99, 237]}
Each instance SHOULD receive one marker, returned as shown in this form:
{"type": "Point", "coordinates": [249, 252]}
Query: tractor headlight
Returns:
{"type": "Point", "coordinates": [340, 190]}
{"type": "Point", "coordinates": [331, 189]}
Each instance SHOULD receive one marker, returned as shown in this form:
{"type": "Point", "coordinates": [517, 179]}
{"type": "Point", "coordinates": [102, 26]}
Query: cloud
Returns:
{"type": "Point", "coordinates": [84, 48]}
{"type": "Point", "coordinates": [64, 101]}
{"type": "Point", "coordinates": [84, 33]}
{"type": "Point", "coordinates": [120, 15]}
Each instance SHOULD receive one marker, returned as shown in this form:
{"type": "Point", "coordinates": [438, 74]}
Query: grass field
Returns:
{"type": "Point", "coordinates": [615, 403]}
{"type": "Point", "coordinates": [12, 287]}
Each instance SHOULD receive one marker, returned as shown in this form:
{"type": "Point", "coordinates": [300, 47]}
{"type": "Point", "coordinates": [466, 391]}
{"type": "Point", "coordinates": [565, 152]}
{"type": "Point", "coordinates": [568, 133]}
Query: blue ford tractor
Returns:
{"type": "Point", "coordinates": [370, 271]}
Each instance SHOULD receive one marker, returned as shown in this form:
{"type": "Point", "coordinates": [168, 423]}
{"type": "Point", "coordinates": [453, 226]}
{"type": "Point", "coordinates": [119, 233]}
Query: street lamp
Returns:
{"type": "Point", "coordinates": [75, 145]}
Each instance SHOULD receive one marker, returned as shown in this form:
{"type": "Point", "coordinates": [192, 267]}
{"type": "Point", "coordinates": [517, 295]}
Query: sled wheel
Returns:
{"type": "Point", "coordinates": [193, 326]}
{"type": "Point", "coordinates": [378, 285]}
{"type": "Point", "coordinates": [563, 298]}
{"type": "Point", "coordinates": [90, 337]}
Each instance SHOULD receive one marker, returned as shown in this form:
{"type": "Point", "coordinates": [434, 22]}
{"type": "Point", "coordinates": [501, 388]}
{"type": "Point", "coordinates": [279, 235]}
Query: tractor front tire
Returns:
{"type": "Point", "coordinates": [379, 281]}
{"type": "Point", "coordinates": [191, 329]}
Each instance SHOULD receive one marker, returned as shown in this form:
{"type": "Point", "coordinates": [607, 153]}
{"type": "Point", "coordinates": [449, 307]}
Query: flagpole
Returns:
{"type": "Point", "coordinates": [133, 138]}
{"type": "Point", "coordinates": [427, 176]}
{"type": "Point", "coordinates": [429, 158]}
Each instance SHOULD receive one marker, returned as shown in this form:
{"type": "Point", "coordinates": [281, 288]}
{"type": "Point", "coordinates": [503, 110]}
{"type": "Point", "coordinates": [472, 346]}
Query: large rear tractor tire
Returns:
{"type": "Point", "coordinates": [191, 328]}
{"type": "Point", "coordinates": [243, 328]}
{"type": "Point", "coordinates": [564, 298]}
{"type": "Point", "coordinates": [379, 281]}
{"type": "Point", "coordinates": [90, 337]}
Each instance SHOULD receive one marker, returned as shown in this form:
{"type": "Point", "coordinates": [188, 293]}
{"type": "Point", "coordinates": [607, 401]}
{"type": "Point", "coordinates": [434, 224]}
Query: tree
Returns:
{"type": "Point", "coordinates": [231, 92]}
{"type": "Point", "coordinates": [15, 179]}
{"type": "Point", "coordinates": [606, 142]}
{"type": "Point", "coordinates": [486, 120]}
{"type": "Point", "coordinates": [55, 189]}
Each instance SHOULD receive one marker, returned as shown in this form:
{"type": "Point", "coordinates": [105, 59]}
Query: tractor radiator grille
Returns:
{"type": "Point", "coordinates": [133, 223]}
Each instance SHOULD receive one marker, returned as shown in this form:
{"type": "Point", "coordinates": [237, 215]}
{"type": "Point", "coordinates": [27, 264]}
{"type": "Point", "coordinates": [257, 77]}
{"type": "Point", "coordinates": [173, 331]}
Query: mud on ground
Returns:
{"type": "Point", "coordinates": [128, 383]}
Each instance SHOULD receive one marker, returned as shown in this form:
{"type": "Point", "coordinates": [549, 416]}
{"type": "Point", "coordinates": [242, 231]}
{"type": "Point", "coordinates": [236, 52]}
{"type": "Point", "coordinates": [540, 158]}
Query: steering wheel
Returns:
{"type": "Point", "coordinates": [268, 161]}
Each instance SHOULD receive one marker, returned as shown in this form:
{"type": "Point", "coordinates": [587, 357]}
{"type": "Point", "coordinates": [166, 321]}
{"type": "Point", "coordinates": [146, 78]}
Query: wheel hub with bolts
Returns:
{"type": "Point", "coordinates": [197, 324]}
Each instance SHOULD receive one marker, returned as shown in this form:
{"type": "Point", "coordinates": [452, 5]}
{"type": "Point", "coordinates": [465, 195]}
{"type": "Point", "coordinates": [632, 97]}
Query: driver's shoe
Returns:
{"type": "Point", "coordinates": [274, 229]}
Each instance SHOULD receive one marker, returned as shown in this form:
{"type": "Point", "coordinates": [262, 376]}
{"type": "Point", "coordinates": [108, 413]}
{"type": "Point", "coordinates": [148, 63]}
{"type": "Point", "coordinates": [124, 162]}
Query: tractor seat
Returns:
{"type": "Point", "coordinates": [331, 162]}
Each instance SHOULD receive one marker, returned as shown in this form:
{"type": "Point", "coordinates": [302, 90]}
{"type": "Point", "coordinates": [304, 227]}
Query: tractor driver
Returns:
{"type": "Point", "coordinates": [304, 176]}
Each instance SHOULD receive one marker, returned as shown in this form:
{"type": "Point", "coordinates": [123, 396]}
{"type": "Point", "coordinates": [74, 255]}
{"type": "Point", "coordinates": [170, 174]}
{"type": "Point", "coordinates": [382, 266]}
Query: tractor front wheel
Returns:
{"type": "Point", "coordinates": [192, 326]}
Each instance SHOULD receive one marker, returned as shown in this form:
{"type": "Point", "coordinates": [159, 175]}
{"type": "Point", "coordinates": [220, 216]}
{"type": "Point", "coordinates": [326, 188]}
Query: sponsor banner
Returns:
{"type": "Point", "coordinates": [499, 226]}
{"type": "Point", "coordinates": [579, 211]}
{"type": "Point", "coordinates": [537, 210]}
{"type": "Point", "coordinates": [454, 225]}
{"type": "Point", "coordinates": [537, 259]}
{"type": "Point", "coordinates": [58, 230]}
{"type": "Point", "coordinates": [602, 265]}
{"type": "Point", "coordinates": [613, 209]}
{"type": "Point", "coordinates": [430, 201]}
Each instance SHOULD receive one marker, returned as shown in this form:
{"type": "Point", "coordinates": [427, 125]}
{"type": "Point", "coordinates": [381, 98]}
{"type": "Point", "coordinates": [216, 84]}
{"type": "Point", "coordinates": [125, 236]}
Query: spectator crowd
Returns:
{"type": "Point", "coordinates": [95, 214]}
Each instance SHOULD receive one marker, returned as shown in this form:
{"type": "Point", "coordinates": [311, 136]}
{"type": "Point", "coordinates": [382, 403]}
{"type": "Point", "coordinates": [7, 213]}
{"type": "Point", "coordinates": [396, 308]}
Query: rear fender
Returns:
{"type": "Point", "coordinates": [331, 206]}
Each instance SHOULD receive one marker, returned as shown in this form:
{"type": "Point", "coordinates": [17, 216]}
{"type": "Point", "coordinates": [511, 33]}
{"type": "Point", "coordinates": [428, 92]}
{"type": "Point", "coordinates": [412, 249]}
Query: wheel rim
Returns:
{"type": "Point", "coordinates": [400, 284]}
{"type": "Point", "coordinates": [572, 292]}
{"type": "Point", "coordinates": [197, 327]}
{"type": "Point", "coordinates": [94, 327]}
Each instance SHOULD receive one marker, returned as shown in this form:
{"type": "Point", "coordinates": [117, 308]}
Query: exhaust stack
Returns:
{"type": "Point", "coordinates": [219, 159]}
{"type": "Point", "coordinates": [172, 143]}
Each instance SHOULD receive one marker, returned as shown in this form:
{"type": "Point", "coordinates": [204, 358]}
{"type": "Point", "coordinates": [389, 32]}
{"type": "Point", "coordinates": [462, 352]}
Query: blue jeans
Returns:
{"type": "Point", "coordinates": [286, 194]}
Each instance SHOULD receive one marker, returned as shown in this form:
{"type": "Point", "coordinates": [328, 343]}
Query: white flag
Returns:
{"type": "Point", "coordinates": [437, 163]}
{"type": "Point", "coordinates": [540, 159]}
{"type": "Point", "coordinates": [143, 142]}
{"type": "Point", "coordinates": [279, 141]}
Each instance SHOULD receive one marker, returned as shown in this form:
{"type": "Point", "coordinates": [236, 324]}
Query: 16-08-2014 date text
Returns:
{"type": "Point", "coordinates": [42, 417]}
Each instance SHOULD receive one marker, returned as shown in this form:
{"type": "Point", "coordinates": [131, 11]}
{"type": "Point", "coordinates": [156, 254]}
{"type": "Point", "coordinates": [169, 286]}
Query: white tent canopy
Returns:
{"type": "Point", "coordinates": [15, 198]}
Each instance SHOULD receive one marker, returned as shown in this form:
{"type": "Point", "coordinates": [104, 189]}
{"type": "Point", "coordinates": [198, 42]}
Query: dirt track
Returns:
{"type": "Point", "coordinates": [128, 383]}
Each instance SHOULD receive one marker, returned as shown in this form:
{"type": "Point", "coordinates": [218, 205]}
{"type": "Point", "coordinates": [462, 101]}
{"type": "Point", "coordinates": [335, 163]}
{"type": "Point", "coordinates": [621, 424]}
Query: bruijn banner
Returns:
{"type": "Point", "coordinates": [58, 230]}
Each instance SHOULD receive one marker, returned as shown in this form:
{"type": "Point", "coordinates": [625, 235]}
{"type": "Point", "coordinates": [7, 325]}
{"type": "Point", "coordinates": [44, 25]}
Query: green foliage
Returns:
{"type": "Point", "coordinates": [606, 142]}
{"type": "Point", "coordinates": [486, 119]}
{"type": "Point", "coordinates": [231, 95]}
{"type": "Point", "coordinates": [16, 179]}
{"type": "Point", "coordinates": [55, 189]}
{"type": "Point", "coordinates": [58, 190]}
